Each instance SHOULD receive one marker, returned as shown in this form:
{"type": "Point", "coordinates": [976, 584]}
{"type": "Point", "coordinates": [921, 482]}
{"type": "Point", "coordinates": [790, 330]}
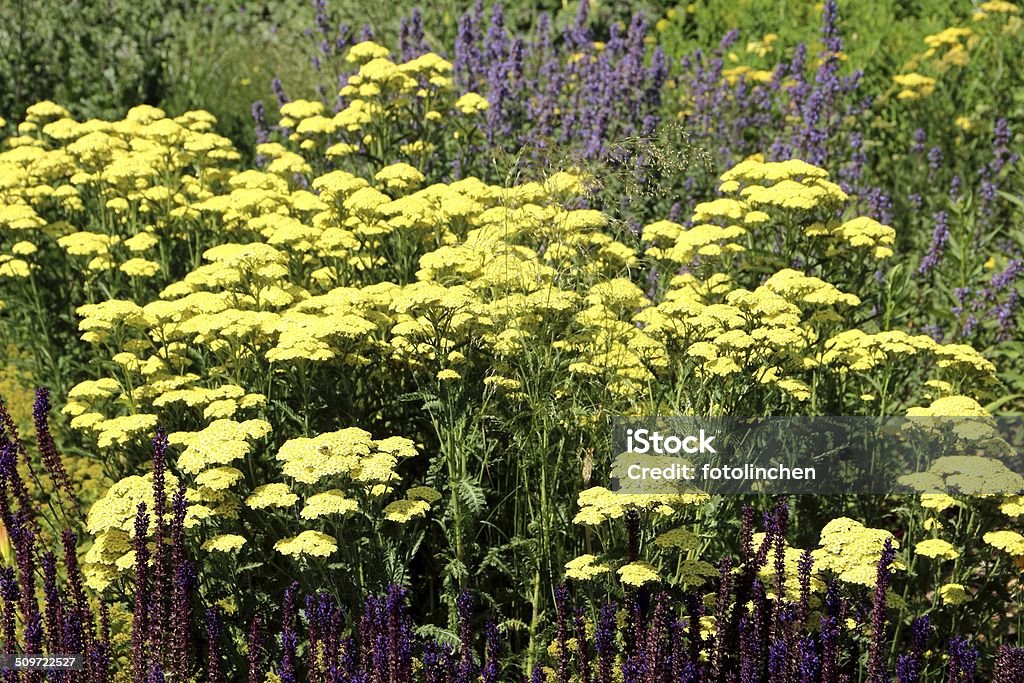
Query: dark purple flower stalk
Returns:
{"type": "Point", "coordinates": [781, 522]}
{"type": "Point", "coordinates": [778, 661]}
{"type": "Point", "coordinates": [464, 606]}
{"type": "Point", "coordinates": [438, 662]}
{"type": "Point", "coordinates": [9, 597]}
{"type": "Point", "coordinates": [161, 556]}
{"type": "Point", "coordinates": [255, 650]}
{"type": "Point", "coordinates": [876, 658]}
{"type": "Point", "coordinates": [399, 633]}
{"type": "Point", "coordinates": [214, 628]}
{"type": "Point", "coordinates": [963, 661]}
{"type": "Point", "coordinates": [604, 642]}
{"type": "Point", "coordinates": [749, 650]}
{"type": "Point", "coordinates": [908, 669]}
{"type": "Point", "coordinates": [141, 608]}
{"type": "Point", "coordinates": [48, 448]}
{"type": "Point", "coordinates": [655, 653]}
{"type": "Point", "coordinates": [25, 552]}
{"type": "Point", "coordinates": [53, 605]}
{"type": "Point", "coordinates": [81, 628]}
{"type": "Point", "coordinates": [289, 636]}
{"type": "Point", "coordinates": [723, 636]}
{"type": "Point", "coordinates": [562, 632]}
{"type": "Point", "coordinates": [1009, 666]}
{"type": "Point", "coordinates": [747, 535]}
{"type": "Point", "coordinates": [810, 662]}
{"type": "Point", "coordinates": [633, 534]}
{"type": "Point", "coordinates": [492, 666]}
{"type": "Point", "coordinates": [804, 568]}
{"type": "Point", "coordinates": [908, 664]}
{"type": "Point", "coordinates": [182, 586]}
{"type": "Point", "coordinates": [12, 481]}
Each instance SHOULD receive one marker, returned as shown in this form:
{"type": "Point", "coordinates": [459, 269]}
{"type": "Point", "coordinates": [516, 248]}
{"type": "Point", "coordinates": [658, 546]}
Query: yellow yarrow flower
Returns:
{"type": "Point", "coordinates": [638, 574]}
{"type": "Point", "coordinates": [312, 543]}
{"type": "Point", "coordinates": [224, 543]}
{"type": "Point", "coordinates": [331, 502]}
{"type": "Point", "coordinates": [1008, 541]}
{"type": "Point", "coordinates": [403, 511]}
{"type": "Point", "coordinates": [936, 548]}
{"type": "Point", "coordinates": [953, 594]}
{"type": "Point", "coordinates": [271, 495]}
{"type": "Point", "coordinates": [584, 568]}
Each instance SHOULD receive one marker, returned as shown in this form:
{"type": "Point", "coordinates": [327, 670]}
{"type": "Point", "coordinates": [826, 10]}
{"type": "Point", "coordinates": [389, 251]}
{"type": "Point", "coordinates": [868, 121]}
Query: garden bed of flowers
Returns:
{"type": "Point", "coordinates": [339, 410]}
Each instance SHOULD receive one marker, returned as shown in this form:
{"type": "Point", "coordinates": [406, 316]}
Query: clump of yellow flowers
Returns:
{"type": "Point", "coordinates": [226, 302]}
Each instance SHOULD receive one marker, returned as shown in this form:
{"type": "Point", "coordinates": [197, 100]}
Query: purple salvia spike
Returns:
{"type": "Point", "coordinates": [464, 605]}
{"type": "Point", "coordinates": [53, 607]}
{"type": "Point", "coordinates": [161, 557]}
{"type": "Point", "coordinates": [493, 652]}
{"type": "Point", "coordinates": [9, 451]}
{"type": "Point", "coordinates": [1009, 665]}
{"type": "Point", "coordinates": [48, 448]}
{"type": "Point", "coordinates": [805, 568]}
{"type": "Point", "coordinates": [720, 655]}
{"type": "Point", "coordinates": [876, 662]}
{"type": "Point", "coordinates": [747, 526]}
{"type": "Point", "coordinates": [213, 636]}
{"type": "Point", "coordinates": [141, 590]}
{"type": "Point", "coordinates": [289, 636]}
{"type": "Point", "coordinates": [963, 661]}
{"type": "Point", "coordinates": [183, 583]}
{"type": "Point", "coordinates": [562, 632]}
{"type": "Point", "coordinates": [9, 597]}
{"type": "Point", "coordinates": [604, 642]}
{"type": "Point", "coordinates": [255, 651]}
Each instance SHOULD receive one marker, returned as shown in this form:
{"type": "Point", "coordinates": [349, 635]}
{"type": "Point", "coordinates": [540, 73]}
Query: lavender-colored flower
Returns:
{"type": "Point", "coordinates": [919, 137]}
{"type": "Point", "coordinates": [411, 41]}
{"type": "Point", "coordinates": [940, 238]}
{"type": "Point", "coordinates": [259, 118]}
{"type": "Point", "coordinates": [279, 93]}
